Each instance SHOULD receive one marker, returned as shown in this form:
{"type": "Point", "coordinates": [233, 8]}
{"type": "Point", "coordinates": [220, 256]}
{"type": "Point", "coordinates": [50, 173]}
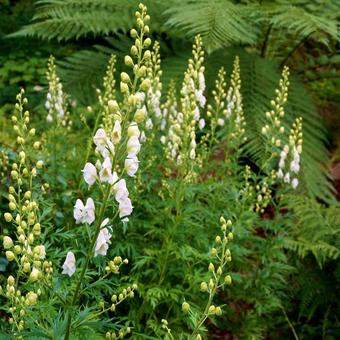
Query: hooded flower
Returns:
{"type": "Point", "coordinates": [133, 146]}
{"type": "Point", "coordinates": [84, 214]}
{"type": "Point", "coordinates": [102, 243]}
{"type": "Point", "coordinates": [106, 174]}
{"type": "Point", "coordinates": [120, 190]}
{"type": "Point", "coordinates": [125, 207]}
{"type": "Point", "coordinates": [90, 173]}
{"type": "Point", "coordinates": [116, 133]}
{"type": "Point", "coordinates": [69, 266]}
{"type": "Point", "coordinates": [131, 166]}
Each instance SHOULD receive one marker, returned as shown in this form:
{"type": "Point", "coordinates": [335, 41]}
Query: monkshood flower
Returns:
{"type": "Point", "coordinates": [69, 266]}
{"type": "Point", "coordinates": [133, 146]}
{"type": "Point", "coordinates": [131, 166]}
{"type": "Point", "coordinates": [84, 214]}
{"type": "Point", "coordinates": [105, 174]}
{"type": "Point", "coordinates": [125, 207]}
{"type": "Point", "coordinates": [103, 239]}
{"type": "Point", "coordinates": [120, 190]}
{"type": "Point", "coordinates": [55, 100]}
{"type": "Point", "coordinates": [290, 156]}
{"type": "Point", "coordinates": [90, 173]}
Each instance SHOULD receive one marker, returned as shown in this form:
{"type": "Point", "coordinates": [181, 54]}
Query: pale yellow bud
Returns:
{"type": "Point", "coordinates": [10, 255]}
{"type": "Point", "coordinates": [8, 217]}
{"type": "Point", "coordinates": [128, 60]}
{"type": "Point", "coordinates": [185, 307]}
{"type": "Point", "coordinates": [8, 243]}
{"type": "Point", "coordinates": [40, 164]}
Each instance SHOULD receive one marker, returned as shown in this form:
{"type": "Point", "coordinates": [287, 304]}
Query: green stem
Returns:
{"type": "Point", "coordinates": [87, 260]}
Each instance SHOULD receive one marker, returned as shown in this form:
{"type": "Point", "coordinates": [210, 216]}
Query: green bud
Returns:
{"type": "Point", "coordinates": [185, 307]}
{"type": "Point", "coordinates": [211, 267]}
{"type": "Point", "coordinates": [218, 311]}
{"type": "Point", "coordinates": [204, 286]}
{"type": "Point", "coordinates": [228, 280]}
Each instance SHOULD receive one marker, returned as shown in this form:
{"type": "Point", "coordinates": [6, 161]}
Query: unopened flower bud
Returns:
{"type": "Point", "coordinates": [212, 309]}
{"type": "Point", "coordinates": [124, 77]}
{"type": "Point", "coordinates": [8, 243]}
{"type": "Point", "coordinates": [218, 311]}
{"type": "Point", "coordinates": [211, 267]}
{"type": "Point", "coordinates": [204, 286]}
{"type": "Point", "coordinates": [185, 307]}
{"type": "Point", "coordinates": [227, 280]}
{"type": "Point", "coordinates": [128, 60]}
{"type": "Point", "coordinates": [10, 255]}
{"type": "Point", "coordinates": [8, 217]}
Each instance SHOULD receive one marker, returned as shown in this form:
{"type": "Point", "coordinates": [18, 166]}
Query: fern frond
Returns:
{"type": "Point", "coordinates": [219, 22]}
{"type": "Point", "coordinates": [68, 19]}
{"type": "Point", "coordinates": [315, 229]}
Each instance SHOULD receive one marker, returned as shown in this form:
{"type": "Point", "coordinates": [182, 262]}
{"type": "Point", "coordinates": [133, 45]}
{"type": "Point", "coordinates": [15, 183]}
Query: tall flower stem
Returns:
{"type": "Point", "coordinates": [87, 260]}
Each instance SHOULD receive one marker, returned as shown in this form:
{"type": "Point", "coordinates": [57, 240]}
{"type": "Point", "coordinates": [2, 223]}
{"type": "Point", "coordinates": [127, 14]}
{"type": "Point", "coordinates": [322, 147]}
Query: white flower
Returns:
{"type": "Point", "coordinates": [142, 137]}
{"type": "Point", "coordinates": [163, 140]}
{"type": "Point", "coordinates": [90, 173]}
{"type": "Point", "coordinates": [100, 139]}
{"type": "Point", "coordinates": [220, 121]}
{"type": "Point", "coordinates": [148, 124]}
{"type": "Point", "coordinates": [201, 123]}
{"type": "Point", "coordinates": [281, 163]}
{"type": "Point", "coordinates": [294, 166]}
{"type": "Point", "coordinates": [49, 118]}
{"type": "Point", "coordinates": [200, 98]}
{"type": "Point", "coordinates": [196, 113]}
{"type": "Point", "coordinates": [125, 207]}
{"type": "Point", "coordinates": [116, 133]}
{"type": "Point", "coordinates": [69, 266]}
{"type": "Point", "coordinates": [133, 146]}
{"type": "Point", "coordinates": [102, 243]}
{"type": "Point", "coordinates": [201, 81]}
{"type": "Point", "coordinates": [192, 154]}
{"type": "Point", "coordinates": [295, 183]}
{"type": "Point", "coordinates": [140, 97]}
{"type": "Point", "coordinates": [133, 130]}
{"type": "Point", "coordinates": [131, 166]}
{"type": "Point", "coordinates": [84, 214]}
{"type": "Point", "coordinates": [105, 173]}
{"type": "Point", "coordinates": [120, 190]}
{"type": "Point", "coordinates": [280, 173]}
{"type": "Point", "coordinates": [286, 179]}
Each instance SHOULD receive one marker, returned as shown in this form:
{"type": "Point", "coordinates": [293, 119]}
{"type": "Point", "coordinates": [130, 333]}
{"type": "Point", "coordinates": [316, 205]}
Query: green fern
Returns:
{"type": "Point", "coordinates": [314, 229]}
{"type": "Point", "coordinates": [220, 22]}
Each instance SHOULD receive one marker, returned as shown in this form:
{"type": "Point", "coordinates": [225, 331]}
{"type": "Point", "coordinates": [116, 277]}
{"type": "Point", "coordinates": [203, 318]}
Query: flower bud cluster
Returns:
{"type": "Point", "coordinates": [234, 110]}
{"type": "Point", "coordinates": [274, 129]}
{"type": "Point", "coordinates": [118, 335]}
{"type": "Point", "coordinates": [56, 101]}
{"type": "Point", "coordinates": [217, 112]}
{"type": "Point", "coordinates": [154, 93]}
{"type": "Point", "coordinates": [23, 214]}
{"type": "Point", "coordinates": [108, 96]}
{"type": "Point", "coordinates": [263, 197]}
{"type": "Point", "coordinates": [115, 264]}
{"type": "Point", "coordinates": [126, 293]}
{"type": "Point", "coordinates": [218, 279]}
{"type": "Point", "coordinates": [181, 138]}
{"type": "Point", "coordinates": [289, 163]}
{"type": "Point", "coordinates": [3, 164]}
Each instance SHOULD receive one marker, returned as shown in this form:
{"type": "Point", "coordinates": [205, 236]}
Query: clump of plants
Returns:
{"type": "Point", "coordinates": [110, 211]}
